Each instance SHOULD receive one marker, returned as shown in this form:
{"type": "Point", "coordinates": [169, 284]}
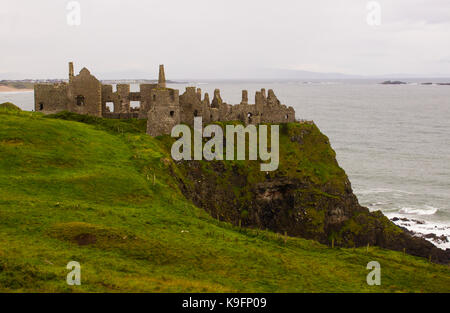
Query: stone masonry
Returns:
{"type": "Point", "coordinates": [163, 107]}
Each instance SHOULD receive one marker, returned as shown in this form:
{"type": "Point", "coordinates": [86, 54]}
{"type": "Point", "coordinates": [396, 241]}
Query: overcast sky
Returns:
{"type": "Point", "coordinates": [224, 38]}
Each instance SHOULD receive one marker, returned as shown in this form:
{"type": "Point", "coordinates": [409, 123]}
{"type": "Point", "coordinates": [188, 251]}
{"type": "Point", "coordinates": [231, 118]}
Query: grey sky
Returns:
{"type": "Point", "coordinates": [224, 38]}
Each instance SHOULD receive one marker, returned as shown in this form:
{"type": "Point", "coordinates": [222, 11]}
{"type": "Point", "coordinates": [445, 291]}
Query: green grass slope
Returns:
{"type": "Point", "coordinates": [100, 192]}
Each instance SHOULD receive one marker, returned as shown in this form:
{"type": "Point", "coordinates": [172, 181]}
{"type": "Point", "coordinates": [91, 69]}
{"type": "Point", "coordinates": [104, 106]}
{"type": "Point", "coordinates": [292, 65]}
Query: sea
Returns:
{"type": "Point", "coordinates": [393, 141]}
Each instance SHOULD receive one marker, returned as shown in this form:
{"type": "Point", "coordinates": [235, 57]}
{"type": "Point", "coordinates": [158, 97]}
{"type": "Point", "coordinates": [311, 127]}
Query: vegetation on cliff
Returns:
{"type": "Point", "coordinates": [103, 193]}
{"type": "Point", "coordinates": [309, 196]}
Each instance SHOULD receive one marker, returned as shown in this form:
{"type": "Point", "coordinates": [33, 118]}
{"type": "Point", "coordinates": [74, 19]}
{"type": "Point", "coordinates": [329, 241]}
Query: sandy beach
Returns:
{"type": "Point", "coordinates": [12, 89]}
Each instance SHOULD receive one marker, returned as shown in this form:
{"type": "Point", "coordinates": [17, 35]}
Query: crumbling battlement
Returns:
{"type": "Point", "coordinates": [163, 107]}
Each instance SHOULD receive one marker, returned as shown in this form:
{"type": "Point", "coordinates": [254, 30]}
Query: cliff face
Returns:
{"type": "Point", "coordinates": [309, 196]}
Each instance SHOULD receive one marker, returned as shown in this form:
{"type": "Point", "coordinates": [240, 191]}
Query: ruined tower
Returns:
{"type": "Point", "coordinates": [217, 100]}
{"type": "Point", "coordinates": [162, 77]}
{"type": "Point", "coordinates": [272, 100]}
{"type": "Point", "coordinates": [244, 97]}
{"type": "Point", "coordinates": [206, 100]}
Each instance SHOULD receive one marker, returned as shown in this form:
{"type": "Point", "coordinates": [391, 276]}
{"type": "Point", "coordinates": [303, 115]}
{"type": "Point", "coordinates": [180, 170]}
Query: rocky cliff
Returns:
{"type": "Point", "coordinates": [309, 196]}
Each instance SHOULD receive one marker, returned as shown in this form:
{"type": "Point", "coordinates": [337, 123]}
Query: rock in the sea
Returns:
{"type": "Point", "coordinates": [436, 238]}
{"type": "Point", "coordinates": [393, 82]}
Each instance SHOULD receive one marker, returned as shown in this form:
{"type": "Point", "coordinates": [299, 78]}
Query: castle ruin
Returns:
{"type": "Point", "coordinates": [162, 107]}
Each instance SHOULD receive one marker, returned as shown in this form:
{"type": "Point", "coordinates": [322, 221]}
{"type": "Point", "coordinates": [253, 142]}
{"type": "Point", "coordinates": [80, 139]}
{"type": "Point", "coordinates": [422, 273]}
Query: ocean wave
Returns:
{"type": "Point", "coordinates": [381, 190]}
{"type": "Point", "coordinates": [377, 203]}
{"type": "Point", "coordinates": [427, 210]}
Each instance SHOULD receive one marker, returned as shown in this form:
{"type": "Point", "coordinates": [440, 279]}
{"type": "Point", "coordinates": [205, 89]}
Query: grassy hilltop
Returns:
{"type": "Point", "coordinates": [103, 193]}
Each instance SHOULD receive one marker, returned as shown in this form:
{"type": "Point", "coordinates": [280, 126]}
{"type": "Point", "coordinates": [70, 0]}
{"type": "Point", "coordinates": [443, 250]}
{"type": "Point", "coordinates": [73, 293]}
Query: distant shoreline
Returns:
{"type": "Point", "coordinates": [16, 86]}
{"type": "Point", "coordinates": [12, 89]}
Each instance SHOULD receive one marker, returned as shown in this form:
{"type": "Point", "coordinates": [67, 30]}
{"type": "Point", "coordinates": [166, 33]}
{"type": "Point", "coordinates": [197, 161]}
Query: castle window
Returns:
{"type": "Point", "coordinates": [172, 113]}
{"type": "Point", "coordinates": [109, 106]}
{"type": "Point", "coordinates": [249, 116]}
{"type": "Point", "coordinates": [287, 116]}
{"type": "Point", "coordinates": [195, 113]}
{"type": "Point", "coordinates": [154, 97]}
{"type": "Point", "coordinates": [135, 105]}
{"type": "Point", "coordinates": [80, 100]}
{"type": "Point", "coordinates": [41, 106]}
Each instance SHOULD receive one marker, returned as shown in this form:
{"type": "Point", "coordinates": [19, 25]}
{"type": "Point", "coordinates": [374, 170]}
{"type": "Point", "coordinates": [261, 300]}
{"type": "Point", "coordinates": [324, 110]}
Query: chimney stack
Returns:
{"type": "Point", "coordinates": [70, 71]}
{"type": "Point", "coordinates": [162, 77]}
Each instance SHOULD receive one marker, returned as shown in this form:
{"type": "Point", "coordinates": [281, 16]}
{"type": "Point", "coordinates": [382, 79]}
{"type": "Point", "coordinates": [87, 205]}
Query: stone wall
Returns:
{"type": "Point", "coordinates": [190, 105]}
{"type": "Point", "coordinates": [123, 92]}
{"type": "Point", "coordinates": [161, 119]}
{"type": "Point", "coordinates": [121, 115]}
{"type": "Point", "coordinates": [50, 98]}
{"type": "Point", "coordinates": [146, 99]}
